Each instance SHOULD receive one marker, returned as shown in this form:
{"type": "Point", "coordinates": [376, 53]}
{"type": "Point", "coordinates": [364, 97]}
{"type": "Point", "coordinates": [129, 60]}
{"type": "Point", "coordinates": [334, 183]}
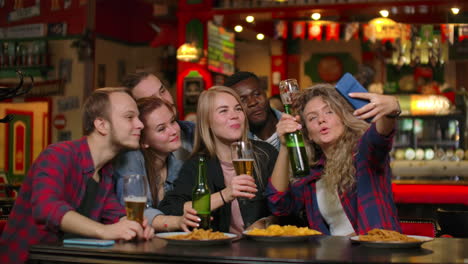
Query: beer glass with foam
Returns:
{"type": "Point", "coordinates": [242, 158]}
{"type": "Point", "coordinates": [135, 190]}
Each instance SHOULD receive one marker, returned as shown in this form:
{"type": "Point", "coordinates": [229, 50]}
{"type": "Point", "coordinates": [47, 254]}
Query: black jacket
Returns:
{"type": "Point", "coordinates": [251, 210]}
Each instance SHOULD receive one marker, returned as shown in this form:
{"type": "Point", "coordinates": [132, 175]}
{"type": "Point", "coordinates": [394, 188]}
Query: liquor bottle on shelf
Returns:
{"type": "Point", "coordinates": [2, 54]}
{"type": "Point", "coordinates": [201, 196]}
{"type": "Point", "coordinates": [11, 49]}
{"type": "Point", "coordinates": [294, 141]}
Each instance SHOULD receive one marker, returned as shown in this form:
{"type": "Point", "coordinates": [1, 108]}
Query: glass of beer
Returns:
{"type": "Point", "coordinates": [242, 157]}
{"type": "Point", "coordinates": [135, 189]}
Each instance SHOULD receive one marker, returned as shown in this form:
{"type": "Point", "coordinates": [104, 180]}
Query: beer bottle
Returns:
{"type": "Point", "coordinates": [201, 197]}
{"type": "Point", "coordinates": [294, 141]}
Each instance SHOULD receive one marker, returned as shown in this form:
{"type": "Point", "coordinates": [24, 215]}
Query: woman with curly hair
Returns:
{"type": "Point", "coordinates": [348, 190]}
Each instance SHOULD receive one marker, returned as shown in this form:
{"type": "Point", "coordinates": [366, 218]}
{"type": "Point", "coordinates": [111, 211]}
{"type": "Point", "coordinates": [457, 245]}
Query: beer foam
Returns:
{"type": "Point", "coordinates": [135, 199]}
{"type": "Point", "coordinates": [243, 160]}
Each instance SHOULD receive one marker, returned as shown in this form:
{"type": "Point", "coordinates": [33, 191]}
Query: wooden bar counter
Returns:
{"type": "Point", "coordinates": [323, 249]}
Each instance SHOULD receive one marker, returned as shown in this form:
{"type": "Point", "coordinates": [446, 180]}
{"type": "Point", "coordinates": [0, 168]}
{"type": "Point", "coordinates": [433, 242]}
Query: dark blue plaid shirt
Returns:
{"type": "Point", "coordinates": [368, 205]}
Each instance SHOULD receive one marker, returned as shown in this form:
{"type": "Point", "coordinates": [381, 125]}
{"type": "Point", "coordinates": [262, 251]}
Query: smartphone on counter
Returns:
{"type": "Point", "coordinates": [88, 242]}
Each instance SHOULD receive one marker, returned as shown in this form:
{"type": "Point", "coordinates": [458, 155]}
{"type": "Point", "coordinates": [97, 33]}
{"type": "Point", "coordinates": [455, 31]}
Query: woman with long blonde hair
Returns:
{"type": "Point", "coordinates": [348, 190]}
{"type": "Point", "coordinates": [221, 121]}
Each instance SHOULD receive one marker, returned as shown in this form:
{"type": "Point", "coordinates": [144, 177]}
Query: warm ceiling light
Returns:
{"type": "Point", "coordinates": [315, 16]}
{"type": "Point", "coordinates": [187, 52]}
{"type": "Point", "coordinates": [455, 10]}
{"type": "Point", "coordinates": [381, 21]}
{"type": "Point", "coordinates": [250, 19]}
{"type": "Point", "coordinates": [260, 36]}
{"type": "Point", "coordinates": [238, 28]}
{"type": "Point", "coordinates": [384, 13]}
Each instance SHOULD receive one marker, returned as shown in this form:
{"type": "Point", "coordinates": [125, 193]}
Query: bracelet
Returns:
{"type": "Point", "coordinates": [222, 198]}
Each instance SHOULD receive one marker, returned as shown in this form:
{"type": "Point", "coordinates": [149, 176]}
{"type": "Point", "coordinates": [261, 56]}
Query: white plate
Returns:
{"type": "Point", "coordinates": [388, 244]}
{"type": "Point", "coordinates": [165, 236]}
{"type": "Point", "coordinates": [279, 238]}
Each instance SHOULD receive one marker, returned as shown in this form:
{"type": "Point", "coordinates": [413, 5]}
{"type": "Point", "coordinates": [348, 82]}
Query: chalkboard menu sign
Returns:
{"type": "Point", "coordinates": [220, 50]}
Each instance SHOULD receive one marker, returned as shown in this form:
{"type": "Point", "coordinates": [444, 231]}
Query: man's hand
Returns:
{"type": "Point", "coordinates": [126, 230]}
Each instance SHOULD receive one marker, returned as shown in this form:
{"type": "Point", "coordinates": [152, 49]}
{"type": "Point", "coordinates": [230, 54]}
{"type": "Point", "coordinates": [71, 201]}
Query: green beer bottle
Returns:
{"type": "Point", "coordinates": [294, 141]}
{"type": "Point", "coordinates": [201, 196]}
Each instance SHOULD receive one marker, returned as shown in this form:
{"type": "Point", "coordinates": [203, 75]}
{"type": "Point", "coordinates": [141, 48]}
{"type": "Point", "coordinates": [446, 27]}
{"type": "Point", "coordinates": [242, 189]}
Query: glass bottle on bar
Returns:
{"type": "Point", "coordinates": [294, 141]}
{"type": "Point", "coordinates": [201, 197]}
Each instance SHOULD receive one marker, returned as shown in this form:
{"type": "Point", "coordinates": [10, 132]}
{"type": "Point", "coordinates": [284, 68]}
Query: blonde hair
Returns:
{"type": "Point", "coordinates": [204, 138]}
{"type": "Point", "coordinates": [339, 171]}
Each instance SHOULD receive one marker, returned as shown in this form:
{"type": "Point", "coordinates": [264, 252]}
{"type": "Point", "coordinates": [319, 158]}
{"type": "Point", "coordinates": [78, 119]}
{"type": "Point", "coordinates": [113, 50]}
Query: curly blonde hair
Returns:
{"type": "Point", "coordinates": [339, 171]}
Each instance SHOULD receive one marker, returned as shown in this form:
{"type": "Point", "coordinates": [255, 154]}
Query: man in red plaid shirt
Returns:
{"type": "Point", "coordinates": [69, 189]}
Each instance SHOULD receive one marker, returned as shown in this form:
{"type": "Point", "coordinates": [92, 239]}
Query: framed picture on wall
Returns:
{"type": "Point", "coordinates": [193, 87]}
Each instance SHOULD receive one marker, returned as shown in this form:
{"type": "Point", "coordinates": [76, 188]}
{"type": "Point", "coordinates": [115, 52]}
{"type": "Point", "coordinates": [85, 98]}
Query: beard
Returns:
{"type": "Point", "coordinates": [119, 144]}
{"type": "Point", "coordinates": [254, 126]}
{"type": "Point", "coordinates": [260, 124]}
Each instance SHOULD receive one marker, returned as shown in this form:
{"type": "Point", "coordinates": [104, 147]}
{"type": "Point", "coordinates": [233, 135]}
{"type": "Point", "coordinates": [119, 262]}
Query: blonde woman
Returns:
{"type": "Point", "coordinates": [348, 190]}
{"type": "Point", "coordinates": [221, 121]}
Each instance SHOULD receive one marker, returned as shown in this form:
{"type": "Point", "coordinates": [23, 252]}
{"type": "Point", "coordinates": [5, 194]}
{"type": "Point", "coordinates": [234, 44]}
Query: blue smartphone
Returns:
{"type": "Point", "coordinates": [88, 242]}
{"type": "Point", "coordinates": [348, 84]}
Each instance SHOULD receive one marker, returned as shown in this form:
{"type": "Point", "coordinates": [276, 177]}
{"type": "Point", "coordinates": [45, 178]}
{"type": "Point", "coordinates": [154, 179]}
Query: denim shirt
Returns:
{"type": "Point", "coordinates": [251, 135]}
{"type": "Point", "coordinates": [133, 162]}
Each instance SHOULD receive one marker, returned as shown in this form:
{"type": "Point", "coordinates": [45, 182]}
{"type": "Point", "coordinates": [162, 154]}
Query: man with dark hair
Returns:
{"type": "Point", "coordinates": [68, 190]}
{"type": "Point", "coordinates": [144, 84]}
{"type": "Point", "coordinates": [262, 118]}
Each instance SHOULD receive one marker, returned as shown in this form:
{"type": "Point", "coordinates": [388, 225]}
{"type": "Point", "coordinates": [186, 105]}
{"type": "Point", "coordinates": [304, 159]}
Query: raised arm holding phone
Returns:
{"type": "Point", "coordinates": [348, 190]}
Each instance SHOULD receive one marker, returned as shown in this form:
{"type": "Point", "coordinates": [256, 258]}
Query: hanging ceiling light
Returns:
{"type": "Point", "coordinates": [250, 19]}
{"type": "Point", "coordinates": [381, 21]}
{"type": "Point", "coordinates": [315, 16]}
{"type": "Point", "coordinates": [238, 28]}
{"type": "Point", "coordinates": [455, 10]}
{"type": "Point", "coordinates": [260, 36]}
{"type": "Point", "coordinates": [188, 52]}
{"type": "Point", "coordinates": [384, 12]}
